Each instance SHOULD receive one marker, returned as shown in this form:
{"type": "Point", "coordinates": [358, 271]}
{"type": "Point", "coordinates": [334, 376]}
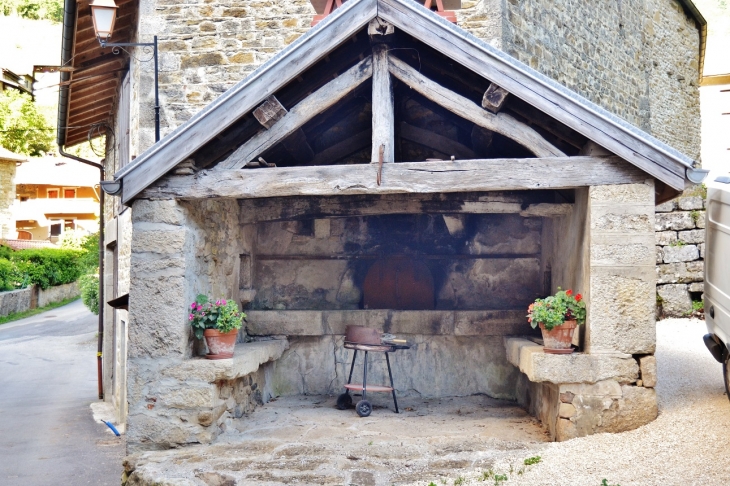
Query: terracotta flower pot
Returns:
{"type": "Point", "coordinates": [558, 340]}
{"type": "Point", "coordinates": [220, 344]}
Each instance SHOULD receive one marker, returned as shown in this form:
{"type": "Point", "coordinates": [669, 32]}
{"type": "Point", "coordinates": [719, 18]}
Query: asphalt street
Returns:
{"type": "Point", "coordinates": [47, 383]}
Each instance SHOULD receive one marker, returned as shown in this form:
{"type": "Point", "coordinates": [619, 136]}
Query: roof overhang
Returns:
{"type": "Point", "coordinates": [88, 92]}
{"type": "Point", "coordinates": [652, 156]}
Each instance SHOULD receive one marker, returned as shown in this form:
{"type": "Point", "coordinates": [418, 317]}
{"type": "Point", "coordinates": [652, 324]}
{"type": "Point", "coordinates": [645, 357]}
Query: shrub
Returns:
{"type": "Point", "coordinates": [47, 267]}
{"type": "Point", "coordinates": [89, 286]}
{"type": "Point", "coordinates": [7, 275]}
{"type": "Point", "coordinates": [88, 244]}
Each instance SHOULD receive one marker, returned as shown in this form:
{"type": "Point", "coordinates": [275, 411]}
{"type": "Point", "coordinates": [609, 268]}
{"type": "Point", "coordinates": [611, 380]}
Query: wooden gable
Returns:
{"type": "Point", "coordinates": [389, 81]}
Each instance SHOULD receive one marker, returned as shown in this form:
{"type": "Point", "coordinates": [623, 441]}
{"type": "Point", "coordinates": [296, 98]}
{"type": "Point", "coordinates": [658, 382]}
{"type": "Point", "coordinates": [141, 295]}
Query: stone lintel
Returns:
{"type": "Point", "coordinates": [539, 366]}
{"type": "Point", "coordinates": [426, 322]}
{"type": "Point", "coordinates": [247, 358]}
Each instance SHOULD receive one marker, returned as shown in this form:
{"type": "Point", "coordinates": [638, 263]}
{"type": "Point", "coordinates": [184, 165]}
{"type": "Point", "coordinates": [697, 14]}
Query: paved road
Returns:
{"type": "Point", "coordinates": [47, 381]}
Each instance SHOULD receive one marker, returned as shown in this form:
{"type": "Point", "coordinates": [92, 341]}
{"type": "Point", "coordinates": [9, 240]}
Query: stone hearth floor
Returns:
{"type": "Point", "coordinates": [307, 440]}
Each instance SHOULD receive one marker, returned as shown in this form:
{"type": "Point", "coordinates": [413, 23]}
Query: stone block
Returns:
{"type": "Point", "coordinates": [647, 366]}
{"type": "Point", "coordinates": [676, 301]}
{"type": "Point", "coordinates": [607, 407]}
{"type": "Point", "coordinates": [158, 320]}
{"type": "Point", "coordinates": [288, 323]}
{"type": "Point", "coordinates": [622, 193]}
{"type": "Point", "coordinates": [659, 254]}
{"type": "Point", "coordinates": [566, 410]}
{"type": "Point", "coordinates": [681, 253]}
{"type": "Point", "coordinates": [683, 272]}
{"type": "Point", "coordinates": [674, 221]}
{"type": "Point", "coordinates": [626, 223]}
{"type": "Point", "coordinates": [247, 357]}
{"type": "Point", "coordinates": [689, 203]}
{"type": "Point", "coordinates": [188, 395]}
{"type": "Point", "coordinates": [699, 219]}
{"type": "Point", "coordinates": [667, 207]}
{"type": "Point", "coordinates": [568, 368]}
{"type": "Point", "coordinates": [692, 236]}
{"type": "Point", "coordinates": [162, 211]}
{"type": "Point", "coordinates": [701, 247]}
{"type": "Point", "coordinates": [148, 430]}
{"type": "Point", "coordinates": [696, 287]}
{"type": "Point", "coordinates": [158, 241]}
{"type": "Point", "coordinates": [664, 238]}
{"type": "Point", "coordinates": [621, 316]}
{"type": "Point", "coordinates": [626, 254]}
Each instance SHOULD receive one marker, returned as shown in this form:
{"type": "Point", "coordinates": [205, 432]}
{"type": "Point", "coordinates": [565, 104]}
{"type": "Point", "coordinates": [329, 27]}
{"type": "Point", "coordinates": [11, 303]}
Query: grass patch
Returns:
{"type": "Point", "coordinates": [15, 316]}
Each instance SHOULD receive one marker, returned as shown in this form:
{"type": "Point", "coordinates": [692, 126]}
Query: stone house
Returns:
{"type": "Point", "coordinates": [54, 195]}
{"type": "Point", "coordinates": [522, 150]}
{"type": "Point", "coordinates": [8, 167]}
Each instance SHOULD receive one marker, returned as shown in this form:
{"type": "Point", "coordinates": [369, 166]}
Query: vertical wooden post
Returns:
{"type": "Point", "coordinates": [383, 110]}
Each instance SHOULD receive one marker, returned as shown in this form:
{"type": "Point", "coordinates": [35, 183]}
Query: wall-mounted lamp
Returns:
{"type": "Point", "coordinates": [113, 188]}
{"type": "Point", "coordinates": [104, 14]}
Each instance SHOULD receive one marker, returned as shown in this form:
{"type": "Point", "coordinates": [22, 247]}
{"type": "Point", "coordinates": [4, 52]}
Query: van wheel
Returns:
{"type": "Point", "coordinates": [726, 374]}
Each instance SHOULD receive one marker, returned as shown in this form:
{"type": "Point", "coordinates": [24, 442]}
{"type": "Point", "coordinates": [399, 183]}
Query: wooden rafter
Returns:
{"type": "Point", "coordinates": [314, 104]}
{"type": "Point", "coordinates": [465, 108]}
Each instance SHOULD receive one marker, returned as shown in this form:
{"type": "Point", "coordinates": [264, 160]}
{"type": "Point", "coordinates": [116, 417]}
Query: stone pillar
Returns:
{"type": "Point", "coordinates": [622, 270]}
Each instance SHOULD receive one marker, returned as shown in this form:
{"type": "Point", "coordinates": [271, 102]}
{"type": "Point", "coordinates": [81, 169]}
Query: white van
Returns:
{"type": "Point", "coordinates": [717, 273]}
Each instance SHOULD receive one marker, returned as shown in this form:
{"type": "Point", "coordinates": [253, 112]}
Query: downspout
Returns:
{"type": "Point", "coordinates": [69, 20]}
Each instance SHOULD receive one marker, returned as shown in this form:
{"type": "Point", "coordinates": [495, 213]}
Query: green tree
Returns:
{"type": "Point", "coordinates": [23, 129]}
{"type": "Point", "coordinates": [33, 9]}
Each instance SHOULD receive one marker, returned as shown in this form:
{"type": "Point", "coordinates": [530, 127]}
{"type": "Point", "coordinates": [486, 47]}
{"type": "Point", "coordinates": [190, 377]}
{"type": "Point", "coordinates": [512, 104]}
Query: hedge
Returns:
{"type": "Point", "coordinates": [45, 267]}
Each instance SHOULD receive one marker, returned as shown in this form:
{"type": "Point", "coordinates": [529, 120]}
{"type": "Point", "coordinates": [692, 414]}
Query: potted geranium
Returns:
{"type": "Point", "coordinates": [558, 316]}
{"type": "Point", "coordinates": [218, 322]}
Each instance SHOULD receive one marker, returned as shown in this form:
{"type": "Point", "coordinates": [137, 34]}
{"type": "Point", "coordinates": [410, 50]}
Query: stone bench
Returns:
{"type": "Point", "coordinates": [581, 394]}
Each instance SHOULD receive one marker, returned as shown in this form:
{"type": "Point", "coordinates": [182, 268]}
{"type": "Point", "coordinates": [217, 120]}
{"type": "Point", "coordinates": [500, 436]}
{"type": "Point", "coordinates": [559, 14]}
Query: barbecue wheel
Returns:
{"type": "Point", "coordinates": [363, 408]}
{"type": "Point", "coordinates": [344, 401]}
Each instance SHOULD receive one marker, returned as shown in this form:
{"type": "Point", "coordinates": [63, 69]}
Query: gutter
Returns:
{"type": "Point", "coordinates": [67, 38]}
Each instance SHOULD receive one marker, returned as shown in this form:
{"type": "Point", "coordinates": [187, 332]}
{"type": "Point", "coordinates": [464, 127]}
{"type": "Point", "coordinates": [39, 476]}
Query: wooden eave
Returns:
{"type": "Point", "coordinates": [94, 84]}
{"type": "Point", "coordinates": [230, 115]}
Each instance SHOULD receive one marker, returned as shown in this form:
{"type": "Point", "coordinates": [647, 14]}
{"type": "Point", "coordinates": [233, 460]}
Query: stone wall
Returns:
{"type": "Point", "coordinates": [680, 252]}
{"type": "Point", "coordinates": [637, 59]}
{"type": "Point", "coordinates": [32, 297]}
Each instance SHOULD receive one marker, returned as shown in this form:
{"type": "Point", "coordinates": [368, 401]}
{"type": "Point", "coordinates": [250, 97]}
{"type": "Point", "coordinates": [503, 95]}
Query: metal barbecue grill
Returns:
{"type": "Point", "coordinates": [364, 339]}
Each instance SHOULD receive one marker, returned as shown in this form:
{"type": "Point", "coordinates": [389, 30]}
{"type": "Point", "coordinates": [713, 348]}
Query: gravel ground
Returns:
{"type": "Point", "coordinates": [456, 441]}
{"type": "Point", "coordinates": [688, 444]}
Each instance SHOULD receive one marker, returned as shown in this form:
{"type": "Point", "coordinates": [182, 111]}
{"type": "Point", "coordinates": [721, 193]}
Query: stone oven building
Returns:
{"type": "Point", "coordinates": [522, 150]}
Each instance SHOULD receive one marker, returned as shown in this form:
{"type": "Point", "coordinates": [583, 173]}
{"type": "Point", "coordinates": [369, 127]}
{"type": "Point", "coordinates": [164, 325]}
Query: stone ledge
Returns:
{"type": "Point", "coordinates": [538, 366]}
{"type": "Point", "coordinates": [247, 358]}
{"type": "Point", "coordinates": [430, 322]}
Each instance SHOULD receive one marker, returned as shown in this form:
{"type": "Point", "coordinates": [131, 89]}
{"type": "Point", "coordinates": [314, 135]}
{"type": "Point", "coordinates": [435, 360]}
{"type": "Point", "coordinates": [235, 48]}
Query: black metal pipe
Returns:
{"type": "Point", "coordinates": [100, 343]}
{"type": "Point", "coordinates": [157, 97]}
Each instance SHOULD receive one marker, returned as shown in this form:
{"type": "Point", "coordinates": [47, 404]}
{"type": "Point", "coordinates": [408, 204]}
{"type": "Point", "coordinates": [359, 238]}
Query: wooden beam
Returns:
{"type": "Point", "coordinates": [383, 108]}
{"type": "Point", "coordinates": [245, 96]}
{"type": "Point", "coordinates": [432, 140]}
{"type": "Point", "coordinates": [465, 108]}
{"type": "Point", "coordinates": [403, 177]}
{"type": "Point", "coordinates": [287, 208]}
{"type": "Point", "coordinates": [314, 104]}
{"type": "Point", "coordinates": [332, 154]}
{"type": "Point", "coordinates": [494, 98]}
{"type": "Point", "coordinates": [271, 111]}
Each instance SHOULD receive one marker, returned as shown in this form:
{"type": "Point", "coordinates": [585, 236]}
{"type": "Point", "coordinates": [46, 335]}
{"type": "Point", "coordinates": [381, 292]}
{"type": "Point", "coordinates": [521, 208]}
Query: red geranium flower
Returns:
{"type": "Point", "coordinates": [578, 297]}
{"type": "Point", "coordinates": [568, 293]}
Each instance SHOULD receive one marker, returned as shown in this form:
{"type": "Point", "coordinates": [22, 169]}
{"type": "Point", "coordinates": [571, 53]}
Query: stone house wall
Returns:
{"type": "Point", "coordinates": [680, 253]}
{"type": "Point", "coordinates": [7, 198]}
